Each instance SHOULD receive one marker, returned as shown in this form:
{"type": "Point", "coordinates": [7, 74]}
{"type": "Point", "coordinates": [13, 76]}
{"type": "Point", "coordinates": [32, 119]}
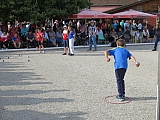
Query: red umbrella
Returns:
{"type": "Point", "coordinates": [133, 14]}
{"type": "Point", "coordinates": [89, 14]}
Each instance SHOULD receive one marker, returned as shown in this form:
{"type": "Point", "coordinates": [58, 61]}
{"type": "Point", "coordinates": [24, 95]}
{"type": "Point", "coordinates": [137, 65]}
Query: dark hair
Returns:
{"type": "Point", "coordinates": [121, 42]}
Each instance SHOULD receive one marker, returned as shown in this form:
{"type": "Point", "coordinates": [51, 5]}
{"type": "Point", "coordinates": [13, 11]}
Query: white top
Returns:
{"type": "Point", "coordinates": [137, 34]}
{"type": "Point", "coordinates": [99, 32]}
{"type": "Point", "coordinates": [78, 24]}
{"type": "Point", "coordinates": [4, 36]}
{"type": "Point", "coordinates": [139, 26]}
{"type": "Point", "coordinates": [146, 33]}
{"type": "Point", "coordinates": [45, 35]}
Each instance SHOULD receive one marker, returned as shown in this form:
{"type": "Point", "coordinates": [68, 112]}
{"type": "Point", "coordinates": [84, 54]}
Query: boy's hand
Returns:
{"type": "Point", "coordinates": [108, 59]}
{"type": "Point", "coordinates": [137, 64]}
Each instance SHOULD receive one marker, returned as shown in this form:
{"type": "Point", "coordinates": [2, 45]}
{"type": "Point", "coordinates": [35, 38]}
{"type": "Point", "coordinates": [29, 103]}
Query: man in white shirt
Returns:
{"type": "Point", "coordinates": [139, 26]}
{"type": "Point", "coordinates": [78, 24]}
{"type": "Point", "coordinates": [126, 24]}
{"type": "Point", "coordinates": [92, 36]}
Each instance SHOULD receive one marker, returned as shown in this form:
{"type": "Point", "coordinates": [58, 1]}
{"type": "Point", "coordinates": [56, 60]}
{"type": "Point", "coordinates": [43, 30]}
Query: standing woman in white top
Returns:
{"type": "Point", "coordinates": [145, 34]}
{"type": "Point", "coordinates": [139, 26]}
{"type": "Point", "coordinates": [71, 40]}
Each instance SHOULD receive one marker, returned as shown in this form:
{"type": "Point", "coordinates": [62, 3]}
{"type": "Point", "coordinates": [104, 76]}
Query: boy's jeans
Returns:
{"type": "Point", "coordinates": [156, 42]}
{"type": "Point", "coordinates": [120, 73]}
{"type": "Point", "coordinates": [92, 39]}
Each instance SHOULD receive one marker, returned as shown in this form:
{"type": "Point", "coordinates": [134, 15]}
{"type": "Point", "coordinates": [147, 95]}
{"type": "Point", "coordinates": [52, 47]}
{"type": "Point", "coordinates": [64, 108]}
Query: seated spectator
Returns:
{"type": "Point", "coordinates": [104, 27]}
{"type": "Point", "coordinates": [45, 38]}
{"type": "Point", "coordinates": [99, 31]}
{"type": "Point", "coordinates": [35, 37]}
{"type": "Point", "coordinates": [152, 34]}
{"type": "Point", "coordinates": [82, 28]}
{"type": "Point", "coordinates": [13, 30]}
{"type": "Point", "coordinates": [59, 37]}
{"type": "Point", "coordinates": [138, 36]}
{"type": "Point", "coordinates": [23, 35]}
{"type": "Point", "coordinates": [4, 40]}
{"type": "Point", "coordinates": [127, 35]}
{"type": "Point", "coordinates": [120, 34]}
{"type": "Point", "coordinates": [145, 34]}
{"type": "Point", "coordinates": [52, 37]}
{"type": "Point", "coordinates": [111, 36]}
{"type": "Point", "coordinates": [30, 39]}
{"type": "Point", "coordinates": [16, 41]}
{"type": "Point", "coordinates": [113, 33]}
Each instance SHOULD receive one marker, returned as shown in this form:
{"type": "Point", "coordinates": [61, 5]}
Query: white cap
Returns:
{"type": "Point", "coordinates": [64, 26]}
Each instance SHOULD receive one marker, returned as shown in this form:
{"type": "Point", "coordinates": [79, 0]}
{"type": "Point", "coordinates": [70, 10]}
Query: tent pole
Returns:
{"type": "Point", "coordinates": [158, 86]}
{"type": "Point", "coordinates": [86, 26]}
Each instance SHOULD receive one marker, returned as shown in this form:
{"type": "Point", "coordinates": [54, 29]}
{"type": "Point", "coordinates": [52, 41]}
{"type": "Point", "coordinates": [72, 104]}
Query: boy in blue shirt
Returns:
{"type": "Point", "coordinates": [120, 65]}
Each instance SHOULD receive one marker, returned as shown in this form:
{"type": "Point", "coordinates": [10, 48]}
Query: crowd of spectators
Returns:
{"type": "Point", "coordinates": [24, 34]}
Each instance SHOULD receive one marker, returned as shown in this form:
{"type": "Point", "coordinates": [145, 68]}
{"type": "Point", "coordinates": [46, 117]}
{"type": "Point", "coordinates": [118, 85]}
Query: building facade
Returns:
{"type": "Point", "coordinates": [111, 2]}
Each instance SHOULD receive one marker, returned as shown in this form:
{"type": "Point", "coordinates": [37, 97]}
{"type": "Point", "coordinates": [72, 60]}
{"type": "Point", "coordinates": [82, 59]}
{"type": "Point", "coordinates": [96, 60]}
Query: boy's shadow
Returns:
{"type": "Point", "coordinates": [142, 98]}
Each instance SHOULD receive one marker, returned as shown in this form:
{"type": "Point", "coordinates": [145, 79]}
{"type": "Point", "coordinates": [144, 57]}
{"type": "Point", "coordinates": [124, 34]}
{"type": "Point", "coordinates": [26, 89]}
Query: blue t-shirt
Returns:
{"type": "Point", "coordinates": [115, 25]}
{"type": "Point", "coordinates": [14, 38]}
{"type": "Point", "coordinates": [71, 35]}
{"type": "Point", "coordinates": [120, 57]}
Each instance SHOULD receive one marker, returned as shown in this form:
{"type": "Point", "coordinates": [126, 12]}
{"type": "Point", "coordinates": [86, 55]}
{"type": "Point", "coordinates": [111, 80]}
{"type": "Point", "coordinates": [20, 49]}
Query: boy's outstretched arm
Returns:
{"type": "Point", "coordinates": [106, 55]}
{"type": "Point", "coordinates": [135, 62]}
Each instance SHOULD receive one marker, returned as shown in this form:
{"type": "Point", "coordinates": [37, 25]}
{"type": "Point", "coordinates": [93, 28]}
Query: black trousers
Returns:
{"type": "Point", "coordinates": [120, 73]}
{"type": "Point", "coordinates": [4, 43]}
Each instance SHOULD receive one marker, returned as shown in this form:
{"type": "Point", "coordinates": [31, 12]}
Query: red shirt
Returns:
{"type": "Point", "coordinates": [65, 34]}
{"type": "Point", "coordinates": [103, 26]}
{"type": "Point", "coordinates": [39, 36]}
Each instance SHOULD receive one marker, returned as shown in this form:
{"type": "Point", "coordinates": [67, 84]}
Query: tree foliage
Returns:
{"type": "Point", "coordinates": [39, 9]}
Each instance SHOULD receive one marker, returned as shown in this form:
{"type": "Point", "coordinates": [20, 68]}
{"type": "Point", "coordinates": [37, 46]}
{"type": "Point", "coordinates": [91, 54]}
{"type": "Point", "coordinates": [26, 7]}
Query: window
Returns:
{"type": "Point", "coordinates": [139, 8]}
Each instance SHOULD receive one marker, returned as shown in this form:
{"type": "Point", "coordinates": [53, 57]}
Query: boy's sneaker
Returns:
{"type": "Point", "coordinates": [43, 52]}
{"type": "Point", "coordinates": [39, 51]}
{"type": "Point", "coordinates": [120, 98]}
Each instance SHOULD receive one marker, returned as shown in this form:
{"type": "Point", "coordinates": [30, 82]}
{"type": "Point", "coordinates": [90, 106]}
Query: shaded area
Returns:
{"type": "Point", "coordinates": [143, 98]}
{"type": "Point", "coordinates": [14, 74]}
{"type": "Point", "coordinates": [34, 115]}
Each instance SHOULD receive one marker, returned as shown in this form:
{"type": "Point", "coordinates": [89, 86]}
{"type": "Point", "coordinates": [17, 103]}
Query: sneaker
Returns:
{"type": "Point", "coordinates": [71, 54]}
{"type": "Point", "coordinates": [89, 50]}
{"type": "Point", "coordinates": [39, 51]}
{"type": "Point", "coordinates": [120, 98]}
{"type": "Point", "coordinates": [64, 54]}
{"type": "Point", "coordinates": [43, 52]}
{"type": "Point", "coordinates": [109, 44]}
{"type": "Point", "coordinates": [154, 50]}
{"type": "Point", "coordinates": [94, 50]}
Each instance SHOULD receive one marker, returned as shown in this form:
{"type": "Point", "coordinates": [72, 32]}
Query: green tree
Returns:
{"type": "Point", "coordinates": [39, 9]}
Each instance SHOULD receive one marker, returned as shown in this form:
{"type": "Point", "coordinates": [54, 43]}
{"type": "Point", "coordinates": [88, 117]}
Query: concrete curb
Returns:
{"type": "Point", "coordinates": [54, 48]}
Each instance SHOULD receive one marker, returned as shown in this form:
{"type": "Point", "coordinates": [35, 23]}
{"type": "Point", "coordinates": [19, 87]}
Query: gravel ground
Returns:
{"type": "Point", "coordinates": [50, 86]}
